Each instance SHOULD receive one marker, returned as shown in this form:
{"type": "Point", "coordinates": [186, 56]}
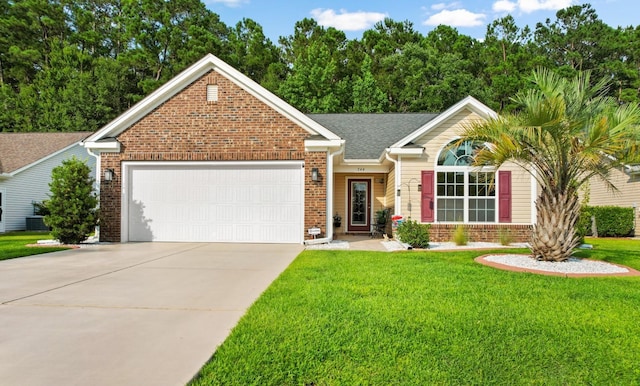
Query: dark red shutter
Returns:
{"type": "Point", "coordinates": [428, 189]}
{"type": "Point", "coordinates": [504, 196]}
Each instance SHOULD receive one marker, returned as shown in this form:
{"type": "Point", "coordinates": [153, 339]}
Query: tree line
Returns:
{"type": "Point", "coordinates": [76, 65]}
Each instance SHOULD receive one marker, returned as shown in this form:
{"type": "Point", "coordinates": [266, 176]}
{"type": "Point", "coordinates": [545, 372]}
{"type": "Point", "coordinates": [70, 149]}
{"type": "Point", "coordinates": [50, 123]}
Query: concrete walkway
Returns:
{"type": "Point", "coordinates": [127, 314]}
{"type": "Point", "coordinates": [360, 243]}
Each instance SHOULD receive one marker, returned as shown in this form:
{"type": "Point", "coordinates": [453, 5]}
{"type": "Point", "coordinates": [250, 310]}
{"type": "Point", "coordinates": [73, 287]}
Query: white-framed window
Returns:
{"type": "Point", "coordinates": [464, 193]}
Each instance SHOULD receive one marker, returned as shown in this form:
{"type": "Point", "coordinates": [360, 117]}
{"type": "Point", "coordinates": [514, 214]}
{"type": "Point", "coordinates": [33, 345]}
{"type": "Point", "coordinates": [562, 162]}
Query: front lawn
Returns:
{"type": "Point", "coordinates": [354, 317]}
{"type": "Point", "coordinates": [14, 244]}
{"type": "Point", "coordinates": [617, 251]}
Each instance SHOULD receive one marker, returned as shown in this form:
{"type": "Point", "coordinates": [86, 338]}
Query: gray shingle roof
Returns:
{"type": "Point", "coordinates": [18, 150]}
{"type": "Point", "coordinates": [367, 135]}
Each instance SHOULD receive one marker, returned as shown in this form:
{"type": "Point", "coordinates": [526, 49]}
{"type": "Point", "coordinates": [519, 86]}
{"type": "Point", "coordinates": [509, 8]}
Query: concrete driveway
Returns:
{"type": "Point", "coordinates": [127, 314]}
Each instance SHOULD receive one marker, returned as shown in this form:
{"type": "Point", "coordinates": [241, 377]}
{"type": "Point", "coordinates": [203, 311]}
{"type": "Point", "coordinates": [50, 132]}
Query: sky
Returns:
{"type": "Point", "coordinates": [469, 17]}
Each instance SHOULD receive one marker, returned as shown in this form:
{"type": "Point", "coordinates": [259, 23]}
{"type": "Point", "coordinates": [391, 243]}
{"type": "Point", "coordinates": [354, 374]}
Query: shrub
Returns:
{"type": "Point", "coordinates": [583, 227]}
{"type": "Point", "coordinates": [414, 233]}
{"type": "Point", "coordinates": [505, 237]}
{"type": "Point", "coordinates": [40, 208]}
{"type": "Point", "coordinates": [73, 203]}
{"type": "Point", "coordinates": [611, 221]}
{"type": "Point", "coordinates": [460, 236]}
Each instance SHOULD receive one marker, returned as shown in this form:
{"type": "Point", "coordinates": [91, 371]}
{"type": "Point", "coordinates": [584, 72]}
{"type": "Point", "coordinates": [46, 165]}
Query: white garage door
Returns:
{"type": "Point", "coordinates": [214, 202]}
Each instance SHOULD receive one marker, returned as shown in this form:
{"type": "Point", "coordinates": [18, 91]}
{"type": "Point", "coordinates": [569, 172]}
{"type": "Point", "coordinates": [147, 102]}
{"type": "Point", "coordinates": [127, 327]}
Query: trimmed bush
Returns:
{"type": "Point", "coordinates": [611, 221]}
{"type": "Point", "coordinates": [583, 227]}
{"type": "Point", "coordinates": [73, 203]}
{"type": "Point", "coordinates": [414, 234]}
{"type": "Point", "coordinates": [614, 221]}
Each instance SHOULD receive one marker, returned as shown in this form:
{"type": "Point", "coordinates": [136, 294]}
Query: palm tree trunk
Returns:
{"type": "Point", "coordinates": [554, 237]}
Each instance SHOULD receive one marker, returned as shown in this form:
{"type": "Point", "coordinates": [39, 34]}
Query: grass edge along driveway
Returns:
{"type": "Point", "coordinates": [14, 244]}
{"type": "Point", "coordinates": [353, 317]}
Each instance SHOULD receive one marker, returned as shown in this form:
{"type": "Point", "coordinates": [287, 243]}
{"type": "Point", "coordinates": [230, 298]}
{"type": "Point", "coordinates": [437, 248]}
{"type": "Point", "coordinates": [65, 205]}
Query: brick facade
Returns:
{"type": "Point", "coordinates": [187, 127]}
{"type": "Point", "coordinates": [315, 193]}
{"type": "Point", "coordinates": [482, 232]}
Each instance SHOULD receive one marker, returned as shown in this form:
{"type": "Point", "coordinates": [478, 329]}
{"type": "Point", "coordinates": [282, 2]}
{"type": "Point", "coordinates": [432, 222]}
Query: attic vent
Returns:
{"type": "Point", "coordinates": [212, 93]}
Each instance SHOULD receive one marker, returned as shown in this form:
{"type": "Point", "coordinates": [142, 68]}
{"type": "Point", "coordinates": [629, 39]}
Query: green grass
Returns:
{"type": "Point", "coordinates": [14, 244]}
{"type": "Point", "coordinates": [353, 317]}
{"type": "Point", "coordinates": [617, 251]}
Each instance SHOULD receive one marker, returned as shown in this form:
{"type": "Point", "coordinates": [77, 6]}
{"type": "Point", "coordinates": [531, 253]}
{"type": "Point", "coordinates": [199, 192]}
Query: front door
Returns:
{"type": "Point", "coordinates": [2, 199]}
{"type": "Point", "coordinates": [359, 205]}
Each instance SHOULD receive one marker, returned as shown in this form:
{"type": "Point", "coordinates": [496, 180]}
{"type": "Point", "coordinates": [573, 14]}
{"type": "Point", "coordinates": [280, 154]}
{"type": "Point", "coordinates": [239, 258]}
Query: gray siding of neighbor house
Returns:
{"type": "Point", "coordinates": [32, 184]}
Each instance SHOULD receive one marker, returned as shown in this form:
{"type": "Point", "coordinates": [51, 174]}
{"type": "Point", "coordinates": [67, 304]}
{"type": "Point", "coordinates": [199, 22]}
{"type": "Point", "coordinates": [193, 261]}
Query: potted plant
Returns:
{"type": "Point", "coordinates": [382, 216]}
{"type": "Point", "coordinates": [337, 220]}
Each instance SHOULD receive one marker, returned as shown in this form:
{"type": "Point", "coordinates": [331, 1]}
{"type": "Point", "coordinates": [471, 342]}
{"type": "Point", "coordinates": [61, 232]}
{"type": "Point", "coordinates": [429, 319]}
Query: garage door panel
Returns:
{"type": "Point", "coordinates": [216, 202]}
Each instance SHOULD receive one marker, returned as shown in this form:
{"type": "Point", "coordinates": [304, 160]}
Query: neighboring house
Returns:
{"type": "Point", "coordinates": [627, 182]}
{"type": "Point", "coordinates": [26, 162]}
{"type": "Point", "coordinates": [213, 156]}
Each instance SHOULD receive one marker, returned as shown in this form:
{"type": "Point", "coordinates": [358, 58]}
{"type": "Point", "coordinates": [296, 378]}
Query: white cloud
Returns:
{"type": "Point", "coordinates": [504, 6]}
{"type": "Point", "coordinates": [347, 21]}
{"type": "Point", "coordinates": [228, 3]}
{"type": "Point", "coordinates": [529, 6]}
{"type": "Point", "coordinates": [456, 18]}
{"type": "Point", "coordinates": [441, 6]}
{"type": "Point", "coordinates": [438, 6]}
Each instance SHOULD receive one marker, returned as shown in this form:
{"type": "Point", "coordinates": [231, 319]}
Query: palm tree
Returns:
{"type": "Point", "coordinates": [564, 132]}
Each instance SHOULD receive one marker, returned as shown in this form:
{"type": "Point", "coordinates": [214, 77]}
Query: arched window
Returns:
{"type": "Point", "coordinates": [460, 155]}
{"type": "Point", "coordinates": [464, 193]}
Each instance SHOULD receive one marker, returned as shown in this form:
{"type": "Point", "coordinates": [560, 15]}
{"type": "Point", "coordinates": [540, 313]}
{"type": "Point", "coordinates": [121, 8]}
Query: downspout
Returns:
{"type": "Point", "coordinates": [397, 202]}
{"type": "Point", "coordinates": [329, 225]}
{"type": "Point", "coordinates": [98, 174]}
{"type": "Point", "coordinates": [534, 197]}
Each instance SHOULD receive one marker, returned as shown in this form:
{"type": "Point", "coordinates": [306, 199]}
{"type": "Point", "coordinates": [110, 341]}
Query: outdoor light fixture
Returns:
{"type": "Point", "coordinates": [108, 174]}
{"type": "Point", "coordinates": [314, 174]}
{"type": "Point", "coordinates": [398, 192]}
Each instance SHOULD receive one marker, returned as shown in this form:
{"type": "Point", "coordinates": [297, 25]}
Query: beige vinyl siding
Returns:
{"type": "Point", "coordinates": [628, 190]}
{"type": "Point", "coordinates": [410, 178]}
{"type": "Point", "coordinates": [447, 131]}
{"type": "Point", "coordinates": [390, 195]}
{"type": "Point", "coordinates": [627, 194]}
{"type": "Point", "coordinates": [379, 183]}
{"type": "Point", "coordinates": [433, 142]}
{"type": "Point", "coordinates": [339, 200]}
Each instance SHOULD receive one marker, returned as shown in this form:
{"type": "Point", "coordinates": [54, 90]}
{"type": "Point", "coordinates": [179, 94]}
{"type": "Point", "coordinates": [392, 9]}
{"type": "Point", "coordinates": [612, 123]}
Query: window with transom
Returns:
{"type": "Point", "coordinates": [464, 193]}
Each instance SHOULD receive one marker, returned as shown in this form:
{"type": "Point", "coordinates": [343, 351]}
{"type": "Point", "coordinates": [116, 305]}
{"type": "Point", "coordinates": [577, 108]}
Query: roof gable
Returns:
{"type": "Point", "coordinates": [188, 76]}
{"type": "Point", "coordinates": [467, 103]}
{"type": "Point", "coordinates": [22, 150]}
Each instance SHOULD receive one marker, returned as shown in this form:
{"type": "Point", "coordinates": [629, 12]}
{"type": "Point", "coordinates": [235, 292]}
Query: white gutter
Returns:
{"type": "Point", "coordinates": [98, 176]}
{"type": "Point", "coordinates": [396, 203]}
{"type": "Point", "coordinates": [410, 151]}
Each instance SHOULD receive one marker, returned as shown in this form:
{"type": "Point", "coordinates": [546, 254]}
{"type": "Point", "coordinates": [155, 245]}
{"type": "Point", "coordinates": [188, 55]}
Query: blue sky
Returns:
{"type": "Point", "coordinates": [470, 17]}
